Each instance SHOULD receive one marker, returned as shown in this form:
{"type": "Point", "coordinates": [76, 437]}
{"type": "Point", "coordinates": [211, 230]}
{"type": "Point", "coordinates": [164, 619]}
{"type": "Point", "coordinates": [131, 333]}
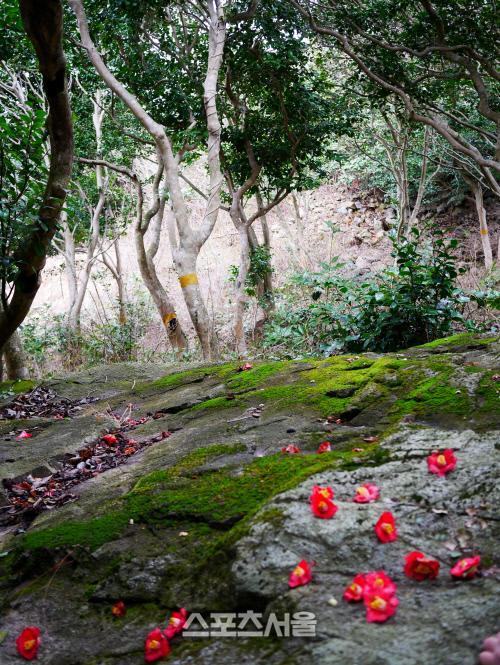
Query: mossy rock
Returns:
{"type": "Point", "coordinates": [165, 529]}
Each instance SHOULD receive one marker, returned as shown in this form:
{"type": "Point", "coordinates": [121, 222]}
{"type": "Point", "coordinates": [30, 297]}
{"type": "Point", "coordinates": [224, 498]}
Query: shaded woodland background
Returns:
{"type": "Point", "coordinates": [195, 180]}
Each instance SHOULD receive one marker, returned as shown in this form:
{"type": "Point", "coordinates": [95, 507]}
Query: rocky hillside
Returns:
{"type": "Point", "coordinates": [189, 502]}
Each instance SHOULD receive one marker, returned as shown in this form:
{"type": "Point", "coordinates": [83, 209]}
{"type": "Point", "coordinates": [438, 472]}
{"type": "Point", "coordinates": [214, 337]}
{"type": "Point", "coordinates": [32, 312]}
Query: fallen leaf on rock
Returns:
{"type": "Point", "coordinates": [370, 439]}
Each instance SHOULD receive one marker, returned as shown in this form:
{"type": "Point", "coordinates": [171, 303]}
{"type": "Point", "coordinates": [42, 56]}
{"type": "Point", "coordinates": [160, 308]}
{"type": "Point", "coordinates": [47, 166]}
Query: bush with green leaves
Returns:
{"type": "Point", "coordinates": [415, 301]}
{"type": "Point", "coordinates": [260, 267]}
{"type": "Point", "coordinates": [50, 343]}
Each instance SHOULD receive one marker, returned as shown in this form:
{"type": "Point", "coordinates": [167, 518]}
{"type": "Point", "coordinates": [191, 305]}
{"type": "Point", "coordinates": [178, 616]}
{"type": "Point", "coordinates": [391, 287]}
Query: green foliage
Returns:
{"type": "Point", "coordinates": [260, 267]}
{"type": "Point", "coordinates": [22, 177]}
{"type": "Point", "coordinates": [46, 337]}
{"type": "Point", "coordinates": [414, 302]}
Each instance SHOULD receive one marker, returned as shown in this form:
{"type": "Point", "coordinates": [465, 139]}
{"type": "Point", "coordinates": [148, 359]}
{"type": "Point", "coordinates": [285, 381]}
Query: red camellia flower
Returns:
{"type": "Point", "coordinates": [300, 575]}
{"type": "Point", "coordinates": [442, 462]}
{"type": "Point", "coordinates": [380, 605]}
{"type": "Point", "coordinates": [379, 581]}
{"type": "Point", "coordinates": [119, 609]}
{"type": "Point", "coordinates": [246, 367]}
{"type": "Point", "coordinates": [385, 528]}
{"type": "Point", "coordinates": [465, 569]}
{"type": "Point", "coordinates": [419, 567]}
{"type": "Point", "coordinates": [322, 506]}
{"type": "Point", "coordinates": [110, 438]}
{"type": "Point", "coordinates": [324, 447]}
{"type": "Point", "coordinates": [366, 493]}
{"type": "Point", "coordinates": [290, 449]}
{"type": "Point", "coordinates": [326, 492]}
{"type": "Point", "coordinates": [24, 435]}
{"type": "Point", "coordinates": [156, 646]}
{"type": "Point", "coordinates": [176, 623]}
{"type": "Point", "coordinates": [354, 592]}
{"type": "Point", "coordinates": [27, 642]}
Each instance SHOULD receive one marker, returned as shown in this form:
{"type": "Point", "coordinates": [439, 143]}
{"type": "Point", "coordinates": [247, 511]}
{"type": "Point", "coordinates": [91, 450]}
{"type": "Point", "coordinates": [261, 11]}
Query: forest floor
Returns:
{"type": "Point", "coordinates": [164, 489]}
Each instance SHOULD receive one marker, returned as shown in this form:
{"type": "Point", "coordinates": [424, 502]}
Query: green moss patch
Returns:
{"type": "Point", "coordinates": [184, 494]}
{"type": "Point", "coordinates": [16, 387]}
{"type": "Point", "coordinates": [458, 340]}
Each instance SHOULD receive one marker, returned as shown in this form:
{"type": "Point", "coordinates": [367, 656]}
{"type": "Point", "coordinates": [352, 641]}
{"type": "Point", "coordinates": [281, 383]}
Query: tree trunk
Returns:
{"type": "Point", "coordinates": [120, 283]}
{"type": "Point", "coordinates": [69, 262]}
{"type": "Point", "coordinates": [190, 240]}
{"type": "Point", "coordinates": [477, 190]}
{"type": "Point", "coordinates": [15, 359]}
{"type": "Point", "coordinates": [117, 273]}
{"type": "Point", "coordinates": [185, 263]}
{"type": "Point", "coordinates": [301, 216]}
{"type": "Point", "coordinates": [241, 296]}
{"type": "Point", "coordinates": [43, 22]}
{"type": "Point", "coordinates": [148, 271]}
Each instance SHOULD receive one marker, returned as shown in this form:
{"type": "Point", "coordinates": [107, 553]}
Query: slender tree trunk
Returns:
{"type": "Point", "coordinates": [145, 259]}
{"type": "Point", "coordinates": [477, 190]}
{"type": "Point", "coordinates": [190, 240]}
{"type": "Point", "coordinates": [241, 296]}
{"type": "Point", "coordinates": [301, 209]}
{"type": "Point", "coordinates": [15, 359]}
{"type": "Point", "coordinates": [43, 22]}
{"type": "Point", "coordinates": [116, 271]}
{"type": "Point", "coordinates": [120, 284]}
{"type": "Point", "coordinates": [185, 263]}
{"type": "Point", "coordinates": [69, 261]}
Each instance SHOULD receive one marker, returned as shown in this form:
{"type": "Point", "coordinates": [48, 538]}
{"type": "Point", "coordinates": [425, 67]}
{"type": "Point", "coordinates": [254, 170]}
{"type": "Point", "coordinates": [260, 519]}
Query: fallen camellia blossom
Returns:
{"type": "Point", "coordinates": [354, 592]}
{"type": "Point", "coordinates": [27, 642]}
{"type": "Point", "coordinates": [442, 462]}
{"type": "Point", "coordinates": [109, 438]}
{"type": "Point", "coordinates": [466, 569]}
{"type": "Point", "coordinates": [290, 449]}
{"type": "Point", "coordinates": [24, 435]}
{"type": "Point", "coordinates": [156, 646]}
{"type": "Point", "coordinates": [379, 581]}
{"type": "Point", "coordinates": [119, 609]}
{"type": "Point", "coordinates": [385, 528]}
{"type": "Point", "coordinates": [419, 567]}
{"type": "Point", "coordinates": [325, 492]}
{"type": "Point", "coordinates": [300, 575]}
{"type": "Point", "coordinates": [367, 493]}
{"type": "Point", "coordinates": [380, 605]}
{"type": "Point", "coordinates": [322, 506]}
{"type": "Point", "coordinates": [176, 623]}
{"type": "Point", "coordinates": [245, 367]}
{"type": "Point", "coordinates": [324, 447]}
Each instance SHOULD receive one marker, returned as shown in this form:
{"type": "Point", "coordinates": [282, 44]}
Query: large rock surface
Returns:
{"type": "Point", "coordinates": [215, 517]}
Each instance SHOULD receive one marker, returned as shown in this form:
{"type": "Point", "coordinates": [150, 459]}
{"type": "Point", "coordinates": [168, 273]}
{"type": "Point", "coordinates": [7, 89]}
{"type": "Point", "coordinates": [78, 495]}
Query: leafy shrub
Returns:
{"type": "Point", "coordinates": [411, 303]}
{"type": "Point", "coordinates": [260, 266]}
{"type": "Point", "coordinates": [48, 340]}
